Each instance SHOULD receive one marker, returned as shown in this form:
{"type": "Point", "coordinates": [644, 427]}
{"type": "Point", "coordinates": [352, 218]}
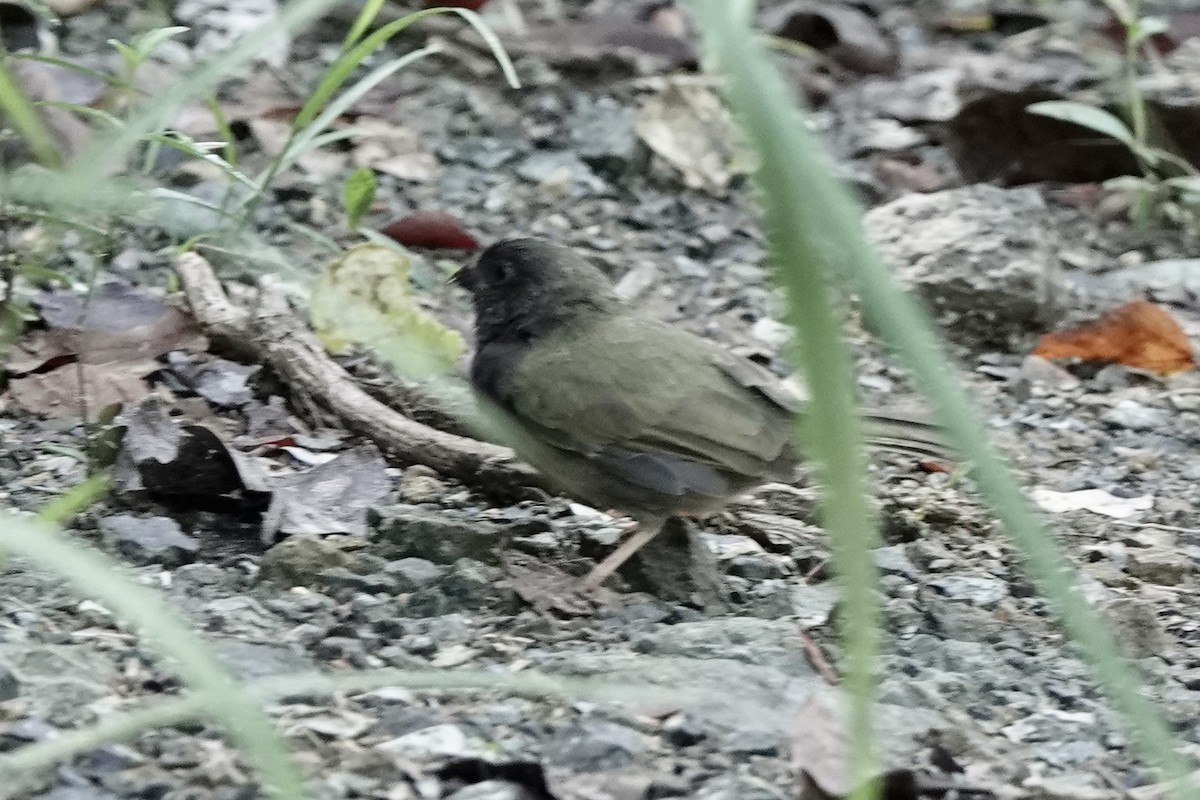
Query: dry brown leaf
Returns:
{"type": "Point", "coordinates": [93, 353]}
{"type": "Point", "coordinates": [820, 750]}
{"type": "Point", "coordinates": [1138, 334]}
{"type": "Point", "coordinates": [38, 349]}
{"type": "Point", "coordinates": [58, 393]}
{"type": "Point", "coordinates": [393, 150]}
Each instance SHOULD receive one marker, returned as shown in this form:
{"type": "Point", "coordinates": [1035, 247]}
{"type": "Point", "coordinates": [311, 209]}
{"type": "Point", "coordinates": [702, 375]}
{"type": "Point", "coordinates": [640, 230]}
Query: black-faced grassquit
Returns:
{"type": "Point", "coordinates": [625, 412]}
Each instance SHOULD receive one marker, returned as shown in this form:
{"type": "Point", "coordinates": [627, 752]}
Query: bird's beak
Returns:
{"type": "Point", "coordinates": [465, 278]}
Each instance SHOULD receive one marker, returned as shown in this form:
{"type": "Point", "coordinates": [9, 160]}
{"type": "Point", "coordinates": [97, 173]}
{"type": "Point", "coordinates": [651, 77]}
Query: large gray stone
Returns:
{"type": "Point", "coordinates": [980, 257]}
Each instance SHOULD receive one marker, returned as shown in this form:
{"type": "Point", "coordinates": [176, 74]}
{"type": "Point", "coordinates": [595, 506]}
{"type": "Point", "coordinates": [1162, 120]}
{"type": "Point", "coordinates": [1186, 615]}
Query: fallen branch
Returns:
{"type": "Point", "coordinates": [274, 336]}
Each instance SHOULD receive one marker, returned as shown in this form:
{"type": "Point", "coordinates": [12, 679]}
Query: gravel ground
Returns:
{"type": "Point", "coordinates": [980, 692]}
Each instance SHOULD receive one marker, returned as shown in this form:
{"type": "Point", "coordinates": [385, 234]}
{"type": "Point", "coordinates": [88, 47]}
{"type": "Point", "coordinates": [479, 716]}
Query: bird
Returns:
{"type": "Point", "coordinates": [624, 412]}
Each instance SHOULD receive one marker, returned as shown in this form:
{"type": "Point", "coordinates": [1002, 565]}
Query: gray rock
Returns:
{"type": "Point", "coordinates": [1074, 786]}
{"type": "Point", "coordinates": [10, 686]}
{"type": "Point", "coordinates": [755, 568]}
{"type": "Point", "coordinates": [768, 599]}
{"type": "Point", "coordinates": [1135, 624]}
{"type": "Point", "coordinates": [441, 536]}
{"type": "Point", "coordinates": [333, 648]}
{"type": "Point", "coordinates": [298, 560]}
{"type": "Point", "coordinates": [684, 730]}
{"type": "Point", "coordinates": [557, 165]}
{"type": "Point", "coordinates": [749, 742]}
{"type": "Point", "coordinates": [982, 258]}
{"type": "Point", "coordinates": [677, 566]}
{"type": "Point", "coordinates": [730, 787]}
{"type": "Point", "coordinates": [76, 793]}
{"type": "Point", "coordinates": [1169, 280]}
{"type": "Point", "coordinates": [702, 687]}
{"type": "Point", "coordinates": [1134, 416]}
{"type": "Point", "coordinates": [254, 660]}
{"type": "Point", "coordinates": [149, 540]}
{"type": "Point", "coordinates": [60, 683]}
{"type": "Point", "coordinates": [493, 790]}
{"type": "Point", "coordinates": [1038, 371]}
{"type": "Point", "coordinates": [602, 131]}
{"type": "Point", "coordinates": [342, 579]}
{"type": "Point", "coordinates": [595, 745]}
{"type": "Point", "coordinates": [1158, 565]}
{"type": "Point", "coordinates": [770, 643]}
{"type": "Point", "coordinates": [893, 560]}
{"type": "Point", "coordinates": [420, 485]}
{"type": "Point", "coordinates": [978, 591]}
{"type": "Point", "coordinates": [473, 585]}
{"type": "Point", "coordinates": [437, 740]}
{"type": "Point", "coordinates": [412, 574]}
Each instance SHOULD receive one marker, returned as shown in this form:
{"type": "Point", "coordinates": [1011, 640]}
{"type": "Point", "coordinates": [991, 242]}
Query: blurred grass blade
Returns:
{"type": "Point", "coordinates": [830, 430]}
{"type": "Point", "coordinates": [202, 152]}
{"type": "Point", "coordinates": [795, 175]}
{"type": "Point", "coordinates": [348, 62]}
{"type": "Point", "coordinates": [358, 192]}
{"type": "Point", "coordinates": [89, 170]}
{"type": "Point", "coordinates": [303, 138]}
{"type": "Point", "coordinates": [19, 767]}
{"type": "Point", "coordinates": [24, 117]}
{"type": "Point", "coordinates": [365, 17]}
{"type": "Point", "coordinates": [62, 508]}
{"type": "Point", "coordinates": [98, 576]}
{"type": "Point", "coordinates": [62, 63]}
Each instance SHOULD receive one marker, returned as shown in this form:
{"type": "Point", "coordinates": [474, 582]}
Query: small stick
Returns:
{"type": "Point", "coordinates": [273, 335]}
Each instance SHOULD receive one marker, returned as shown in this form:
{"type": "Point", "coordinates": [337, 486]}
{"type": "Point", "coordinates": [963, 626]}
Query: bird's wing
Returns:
{"type": "Point", "coordinates": [656, 405]}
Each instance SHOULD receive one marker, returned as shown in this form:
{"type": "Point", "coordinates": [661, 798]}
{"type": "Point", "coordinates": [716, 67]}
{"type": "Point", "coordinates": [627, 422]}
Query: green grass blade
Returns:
{"type": "Point", "coordinates": [224, 129]}
{"type": "Point", "coordinates": [302, 140]}
{"type": "Point", "coordinates": [197, 150]}
{"type": "Point", "coordinates": [95, 74]}
{"type": "Point", "coordinates": [830, 431]}
{"type": "Point", "coordinates": [792, 166]}
{"type": "Point", "coordinates": [108, 153]}
{"type": "Point", "coordinates": [348, 62]}
{"type": "Point", "coordinates": [97, 575]}
{"type": "Point", "coordinates": [365, 17]}
{"type": "Point", "coordinates": [20, 111]}
{"type": "Point", "coordinates": [62, 508]}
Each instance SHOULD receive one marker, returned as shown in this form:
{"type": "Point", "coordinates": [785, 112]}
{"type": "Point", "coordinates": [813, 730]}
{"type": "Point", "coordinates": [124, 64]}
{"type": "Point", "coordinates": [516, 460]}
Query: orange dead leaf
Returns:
{"type": "Point", "coordinates": [1138, 334]}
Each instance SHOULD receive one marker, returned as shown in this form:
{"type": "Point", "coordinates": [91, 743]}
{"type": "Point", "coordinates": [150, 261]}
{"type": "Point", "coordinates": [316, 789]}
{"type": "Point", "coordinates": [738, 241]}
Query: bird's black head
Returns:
{"type": "Point", "coordinates": [525, 287]}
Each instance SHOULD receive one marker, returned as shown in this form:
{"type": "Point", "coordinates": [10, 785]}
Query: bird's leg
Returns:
{"type": "Point", "coordinates": [647, 529]}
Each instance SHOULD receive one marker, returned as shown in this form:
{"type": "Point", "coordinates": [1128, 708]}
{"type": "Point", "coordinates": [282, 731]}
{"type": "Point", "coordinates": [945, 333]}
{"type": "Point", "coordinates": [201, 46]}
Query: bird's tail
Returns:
{"type": "Point", "coordinates": [898, 433]}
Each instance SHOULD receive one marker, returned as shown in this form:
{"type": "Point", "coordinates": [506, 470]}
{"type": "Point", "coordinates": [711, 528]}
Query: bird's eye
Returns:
{"type": "Point", "coordinates": [505, 272]}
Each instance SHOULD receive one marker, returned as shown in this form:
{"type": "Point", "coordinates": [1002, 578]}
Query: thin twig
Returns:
{"type": "Point", "coordinates": [275, 336]}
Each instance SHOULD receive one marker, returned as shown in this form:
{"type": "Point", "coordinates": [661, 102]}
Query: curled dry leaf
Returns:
{"type": "Point", "coordinates": [168, 458]}
{"type": "Point", "coordinates": [330, 498]}
{"type": "Point", "coordinates": [432, 229]}
{"type": "Point", "coordinates": [365, 296]}
{"type": "Point", "coordinates": [1138, 334]}
{"type": "Point", "coordinates": [95, 353]}
{"type": "Point", "coordinates": [688, 127]}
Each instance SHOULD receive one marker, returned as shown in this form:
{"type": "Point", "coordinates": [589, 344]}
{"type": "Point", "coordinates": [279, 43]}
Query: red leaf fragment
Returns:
{"type": "Point", "coordinates": [1138, 334]}
{"type": "Point", "coordinates": [435, 230]}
